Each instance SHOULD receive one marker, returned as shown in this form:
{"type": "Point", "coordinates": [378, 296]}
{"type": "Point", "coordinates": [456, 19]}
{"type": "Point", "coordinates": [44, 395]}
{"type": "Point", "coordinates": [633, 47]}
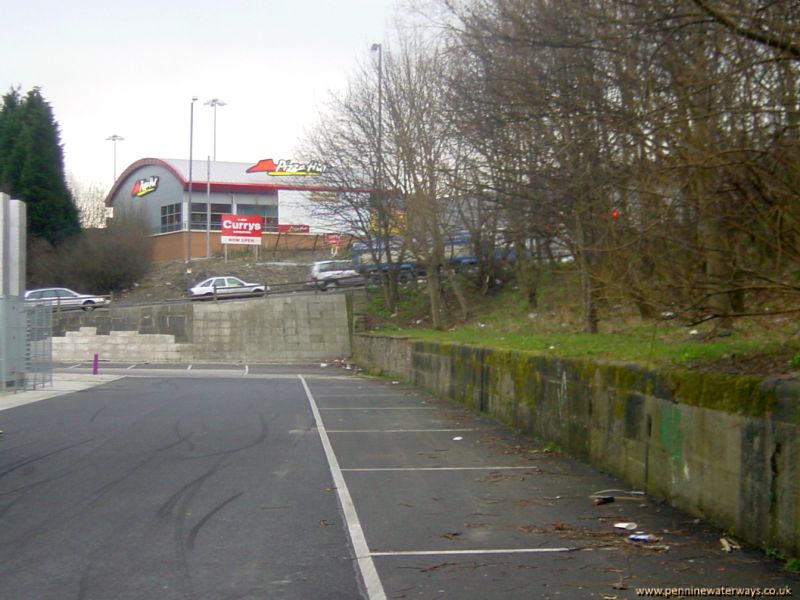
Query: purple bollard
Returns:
{"type": "Point", "coordinates": [95, 361]}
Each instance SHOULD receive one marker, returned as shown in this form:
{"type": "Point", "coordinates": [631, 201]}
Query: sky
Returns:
{"type": "Point", "coordinates": [131, 69]}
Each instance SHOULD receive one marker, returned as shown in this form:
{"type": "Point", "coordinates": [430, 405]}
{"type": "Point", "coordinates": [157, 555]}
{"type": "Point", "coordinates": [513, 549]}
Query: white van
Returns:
{"type": "Point", "coordinates": [331, 274]}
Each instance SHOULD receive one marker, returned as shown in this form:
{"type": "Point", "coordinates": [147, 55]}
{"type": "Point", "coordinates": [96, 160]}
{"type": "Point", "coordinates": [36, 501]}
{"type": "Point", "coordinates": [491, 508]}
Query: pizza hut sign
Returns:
{"type": "Point", "coordinates": [241, 229]}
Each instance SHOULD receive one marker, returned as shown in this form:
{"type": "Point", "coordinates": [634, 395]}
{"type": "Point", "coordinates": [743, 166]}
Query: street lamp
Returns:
{"type": "Point", "coordinates": [115, 138]}
{"type": "Point", "coordinates": [189, 208]}
{"type": "Point", "coordinates": [214, 103]}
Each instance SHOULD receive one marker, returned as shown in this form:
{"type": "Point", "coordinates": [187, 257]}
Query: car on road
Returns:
{"type": "Point", "coordinates": [226, 285]}
{"type": "Point", "coordinates": [64, 298]}
{"type": "Point", "coordinates": [331, 274]}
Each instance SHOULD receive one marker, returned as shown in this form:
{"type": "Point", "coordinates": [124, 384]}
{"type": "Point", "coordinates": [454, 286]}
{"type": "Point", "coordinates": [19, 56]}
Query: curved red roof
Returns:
{"type": "Point", "coordinates": [228, 177]}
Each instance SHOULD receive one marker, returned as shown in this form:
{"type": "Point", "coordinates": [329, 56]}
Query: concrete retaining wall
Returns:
{"type": "Point", "coordinates": [291, 328]}
{"type": "Point", "coordinates": [723, 448]}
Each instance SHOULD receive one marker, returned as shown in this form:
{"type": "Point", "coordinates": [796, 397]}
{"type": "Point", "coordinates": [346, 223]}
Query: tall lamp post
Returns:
{"type": "Point", "coordinates": [189, 207]}
{"type": "Point", "coordinates": [214, 103]}
{"type": "Point", "coordinates": [115, 138]}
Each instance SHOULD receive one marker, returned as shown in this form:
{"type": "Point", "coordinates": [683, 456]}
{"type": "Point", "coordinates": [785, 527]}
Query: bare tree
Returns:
{"type": "Point", "coordinates": [346, 138]}
{"type": "Point", "coordinates": [90, 201]}
{"type": "Point", "coordinates": [648, 130]}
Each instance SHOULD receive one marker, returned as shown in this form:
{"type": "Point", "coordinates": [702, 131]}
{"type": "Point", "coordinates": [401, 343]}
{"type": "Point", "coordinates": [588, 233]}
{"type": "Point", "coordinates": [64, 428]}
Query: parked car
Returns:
{"type": "Point", "coordinates": [226, 285]}
{"type": "Point", "coordinates": [330, 274]}
{"type": "Point", "coordinates": [65, 298]}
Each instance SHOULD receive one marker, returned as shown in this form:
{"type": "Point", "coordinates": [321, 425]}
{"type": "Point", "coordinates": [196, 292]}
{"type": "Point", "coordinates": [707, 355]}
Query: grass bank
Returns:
{"type": "Point", "coordinates": [767, 346]}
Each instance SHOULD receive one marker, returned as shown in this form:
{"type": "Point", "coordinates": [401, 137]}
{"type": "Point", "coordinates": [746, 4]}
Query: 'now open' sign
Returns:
{"type": "Point", "coordinates": [241, 229]}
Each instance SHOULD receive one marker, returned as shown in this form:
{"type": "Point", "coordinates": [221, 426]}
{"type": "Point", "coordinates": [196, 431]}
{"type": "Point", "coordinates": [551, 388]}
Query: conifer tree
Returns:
{"type": "Point", "coordinates": [32, 166]}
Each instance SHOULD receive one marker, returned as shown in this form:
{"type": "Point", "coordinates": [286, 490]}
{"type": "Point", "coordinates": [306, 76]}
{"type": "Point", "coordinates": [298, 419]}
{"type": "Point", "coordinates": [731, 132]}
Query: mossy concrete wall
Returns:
{"type": "Point", "coordinates": [723, 448]}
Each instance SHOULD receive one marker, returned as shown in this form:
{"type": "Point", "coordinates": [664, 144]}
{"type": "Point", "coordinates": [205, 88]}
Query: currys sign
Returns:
{"type": "Point", "coordinates": [241, 229]}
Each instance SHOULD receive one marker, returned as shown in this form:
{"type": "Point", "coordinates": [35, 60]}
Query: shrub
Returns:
{"type": "Point", "coordinates": [97, 260]}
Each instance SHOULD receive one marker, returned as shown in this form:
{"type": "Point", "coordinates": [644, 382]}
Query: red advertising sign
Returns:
{"type": "Point", "coordinates": [241, 229]}
{"type": "Point", "coordinates": [333, 239]}
{"type": "Point", "coordinates": [287, 167]}
{"type": "Point", "coordinates": [144, 186]}
{"type": "Point", "coordinates": [288, 228]}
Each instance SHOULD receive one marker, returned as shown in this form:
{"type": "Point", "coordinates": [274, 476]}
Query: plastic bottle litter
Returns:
{"type": "Point", "coordinates": [627, 526]}
{"type": "Point", "coordinates": [728, 545]}
{"type": "Point", "coordinates": [643, 537]}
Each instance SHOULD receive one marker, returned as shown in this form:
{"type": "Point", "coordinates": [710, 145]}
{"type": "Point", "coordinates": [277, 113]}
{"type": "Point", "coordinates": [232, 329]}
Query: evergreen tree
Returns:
{"type": "Point", "coordinates": [32, 166]}
{"type": "Point", "coordinates": [9, 133]}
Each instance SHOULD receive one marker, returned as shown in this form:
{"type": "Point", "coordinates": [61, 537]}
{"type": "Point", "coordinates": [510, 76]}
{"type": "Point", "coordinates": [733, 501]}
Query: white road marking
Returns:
{"type": "Point", "coordinates": [247, 369]}
{"type": "Point", "coordinates": [395, 430]}
{"type": "Point", "coordinates": [368, 469]}
{"type": "Point", "coordinates": [379, 408]}
{"type": "Point", "coordinates": [369, 574]}
{"type": "Point", "coordinates": [366, 395]}
{"type": "Point", "coordinates": [189, 368]}
{"type": "Point", "coordinates": [490, 551]}
{"type": "Point", "coordinates": [129, 368]}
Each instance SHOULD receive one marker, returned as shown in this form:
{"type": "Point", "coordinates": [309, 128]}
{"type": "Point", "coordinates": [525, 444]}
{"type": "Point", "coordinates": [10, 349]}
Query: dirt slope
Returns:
{"type": "Point", "coordinates": [169, 280]}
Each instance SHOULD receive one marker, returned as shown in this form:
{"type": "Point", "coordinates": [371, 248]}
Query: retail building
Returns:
{"type": "Point", "coordinates": [162, 191]}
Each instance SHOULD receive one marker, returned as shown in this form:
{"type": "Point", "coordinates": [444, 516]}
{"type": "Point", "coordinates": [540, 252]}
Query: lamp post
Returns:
{"type": "Point", "coordinates": [214, 103]}
{"type": "Point", "coordinates": [115, 138]}
{"type": "Point", "coordinates": [189, 203]}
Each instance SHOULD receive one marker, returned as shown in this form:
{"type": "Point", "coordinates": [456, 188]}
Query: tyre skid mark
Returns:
{"type": "Point", "coordinates": [262, 436]}
{"type": "Point", "coordinates": [22, 463]}
{"type": "Point", "coordinates": [177, 507]}
{"type": "Point", "coordinates": [196, 529]}
{"type": "Point", "coordinates": [181, 439]}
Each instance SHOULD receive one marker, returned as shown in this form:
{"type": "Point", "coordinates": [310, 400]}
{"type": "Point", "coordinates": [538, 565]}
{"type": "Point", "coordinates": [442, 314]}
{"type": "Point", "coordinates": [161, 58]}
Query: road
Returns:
{"type": "Point", "coordinates": [301, 483]}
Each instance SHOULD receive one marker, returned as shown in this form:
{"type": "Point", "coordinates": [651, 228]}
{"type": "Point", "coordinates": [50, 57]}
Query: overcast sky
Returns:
{"type": "Point", "coordinates": [131, 69]}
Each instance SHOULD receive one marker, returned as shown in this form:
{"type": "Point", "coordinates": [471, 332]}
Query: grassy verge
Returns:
{"type": "Point", "coordinates": [760, 347]}
{"type": "Point", "coordinates": [652, 350]}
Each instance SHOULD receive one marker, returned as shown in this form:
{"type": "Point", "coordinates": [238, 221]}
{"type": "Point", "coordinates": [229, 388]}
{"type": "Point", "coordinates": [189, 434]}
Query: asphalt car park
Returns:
{"type": "Point", "coordinates": [286, 481]}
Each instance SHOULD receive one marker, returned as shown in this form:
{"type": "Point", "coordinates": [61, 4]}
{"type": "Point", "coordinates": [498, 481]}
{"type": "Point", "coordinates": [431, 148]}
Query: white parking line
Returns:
{"type": "Point", "coordinates": [369, 574]}
{"type": "Point", "coordinates": [369, 469]}
{"type": "Point", "coordinates": [397, 430]}
{"type": "Point", "coordinates": [129, 368]}
{"type": "Point", "coordinates": [490, 551]}
{"type": "Point", "coordinates": [334, 396]}
{"type": "Point", "coordinates": [189, 368]}
{"type": "Point", "coordinates": [378, 408]}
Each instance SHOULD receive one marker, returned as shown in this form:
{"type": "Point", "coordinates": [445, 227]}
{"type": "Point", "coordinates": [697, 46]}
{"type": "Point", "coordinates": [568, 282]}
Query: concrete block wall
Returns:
{"type": "Point", "coordinates": [128, 346]}
{"type": "Point", "coordinates": [721, 447]}
{"type": "Point", "coordinates": [173, 319]}
{"type": "Point", "coordinates": [274, 329]}
{"type": "Point", "coordinates": [290, 328]}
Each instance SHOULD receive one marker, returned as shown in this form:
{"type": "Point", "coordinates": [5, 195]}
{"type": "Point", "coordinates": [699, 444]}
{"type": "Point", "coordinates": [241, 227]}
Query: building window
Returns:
{"type": "Point", "coordinates": [199, 215]}
{"type": "Point", "coordinates": [270, 214]}
{"type": "Point", "coordinates": [171, 217]}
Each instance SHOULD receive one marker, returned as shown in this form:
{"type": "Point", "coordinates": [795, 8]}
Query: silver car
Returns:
{"type": "Point", "coordinates": [330, 274]}
{"type": "Point", "coordinates": [226, 285]}
{"type": "Point", "coordinates": [65, 298]}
